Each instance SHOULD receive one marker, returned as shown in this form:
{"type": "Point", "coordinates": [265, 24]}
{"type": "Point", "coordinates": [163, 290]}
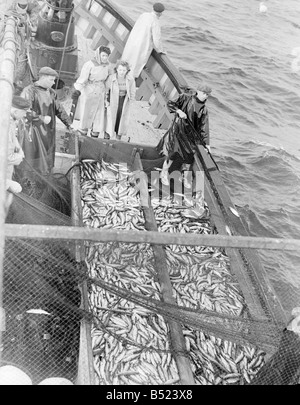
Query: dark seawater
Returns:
{"type": "Point", "coordinates": [247, 57]}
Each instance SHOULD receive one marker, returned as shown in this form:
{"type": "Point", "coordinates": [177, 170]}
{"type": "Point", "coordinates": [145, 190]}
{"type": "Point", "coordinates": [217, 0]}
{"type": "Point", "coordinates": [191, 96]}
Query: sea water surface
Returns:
{"type": "Point", "coordinates": [250, 59]}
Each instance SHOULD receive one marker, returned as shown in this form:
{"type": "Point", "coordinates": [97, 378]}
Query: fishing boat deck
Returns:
{"type": "Point", "coordinates": [160, 82]}
{"type": "Point", "coordinates": [140, 131]}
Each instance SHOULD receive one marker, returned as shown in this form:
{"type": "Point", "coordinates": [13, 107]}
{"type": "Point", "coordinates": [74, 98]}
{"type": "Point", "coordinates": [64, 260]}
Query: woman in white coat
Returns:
{"type": "Point", "coordinates": [90, 88]}
{"type": "Point", "coordinates": [121, 94]}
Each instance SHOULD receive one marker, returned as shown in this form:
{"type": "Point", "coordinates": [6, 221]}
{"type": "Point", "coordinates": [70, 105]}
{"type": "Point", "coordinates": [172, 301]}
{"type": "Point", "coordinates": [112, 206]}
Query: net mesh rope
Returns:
{"type": "Point", "coordinates": [130, 320]}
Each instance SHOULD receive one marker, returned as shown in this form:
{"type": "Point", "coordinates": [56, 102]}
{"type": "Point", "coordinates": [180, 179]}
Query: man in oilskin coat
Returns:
{"type": "Point", "coordinates": [189, 128]}
{"type": "Point", "coordinates": [39, 139]}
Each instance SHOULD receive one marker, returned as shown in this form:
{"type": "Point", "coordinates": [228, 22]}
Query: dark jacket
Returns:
{"type": "Point", "coordinates": [198, 116]}
{"type": "Point", "coordinates": [39, 144]}
{"type": "Point", "coordinates": [183, 135]}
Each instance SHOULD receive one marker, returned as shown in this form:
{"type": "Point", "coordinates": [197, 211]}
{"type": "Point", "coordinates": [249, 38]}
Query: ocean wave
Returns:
{"type": "Point", "coordinates": [295, 25]}
{"type": "Point", "coordinates": [253, 223]}
{"type": "Point", "coordinates": [277, 222]}
{"type": "Point", "coordinates": [266, 175]}
{"type": "Point", "coordinates": [234, 111]}
{"type": "Point", "coordinates": [193, 35]}
{"type": "Point", "coordinates": [269, 147]}
{"type": "Point", "coordinates": [280, 267]}
{"type": "Point", "coordinates": [234, 71]}
{"type": "Point", "coordinates": [269, 161]}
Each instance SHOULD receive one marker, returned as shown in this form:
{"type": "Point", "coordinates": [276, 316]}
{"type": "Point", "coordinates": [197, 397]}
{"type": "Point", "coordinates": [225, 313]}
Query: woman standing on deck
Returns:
{"type": "Point", "coordinates": [91, 87]}
{"type": "Point", "coordinates": [121, 94]}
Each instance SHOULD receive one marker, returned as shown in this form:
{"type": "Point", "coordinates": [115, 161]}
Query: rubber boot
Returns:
{"type": "Point", "coordinates": [164, 174]}
{"type": "Point", "coordinates": [13, 186]}
{"type": "Point", "coordinates": [184, 175]}
{"type": "Point", "coordinates": [83, 132]}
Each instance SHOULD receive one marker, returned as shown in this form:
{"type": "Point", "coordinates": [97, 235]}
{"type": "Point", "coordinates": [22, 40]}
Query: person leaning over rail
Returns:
{"type": "Point", "coordinates": [39, 141]}
{"type": "Point", "coordinates": [15, 153]}
{"type": "Point", "coordinates": [90, 92]}
{"type": "Point", "coordinates": [189, 128]}
{"type": "Point", "coordinates": [143, 38]}
{"type": "Point", "coordinates": [121, 93]}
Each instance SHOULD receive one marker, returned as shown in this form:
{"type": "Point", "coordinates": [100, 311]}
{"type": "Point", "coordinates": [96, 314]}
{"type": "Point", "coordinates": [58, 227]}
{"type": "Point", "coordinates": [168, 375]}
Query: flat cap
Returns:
{"type": "Point", "coordinates": [47, 71]}
{"type": "Point", "coordinates": [20, 102]}
{"type": "Point", "coordinates": [158, 7]}
{"type": "Point", "coordinates": [205, 88]}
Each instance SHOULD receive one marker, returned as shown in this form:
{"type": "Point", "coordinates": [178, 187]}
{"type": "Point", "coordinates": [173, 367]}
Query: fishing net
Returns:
{"type": "Point", "coordinates": [41, 298]}
{"type": "Point", "coordinates": [133, 318]}
{"type": "Point", "coordinates": [166, 315]}
{"type": "Point", "coordinates": [43, 197]}
{"type": "Point", "coordinates": [27, 210]}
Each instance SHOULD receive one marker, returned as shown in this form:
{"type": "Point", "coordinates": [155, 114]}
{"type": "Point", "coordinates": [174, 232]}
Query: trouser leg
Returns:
{"type": "Point", "coordinates": [83, 131]}
{"type": "Point", "coordinates": [119, 114]}
{"type": "Point", "coordinates": [165, 172]}
{"type": "Point", "coordinates": [186, 175]}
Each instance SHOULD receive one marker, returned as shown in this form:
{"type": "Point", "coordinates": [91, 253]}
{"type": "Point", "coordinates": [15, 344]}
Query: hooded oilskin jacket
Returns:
{"type": "Point", "coordinates": [92, 84]}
